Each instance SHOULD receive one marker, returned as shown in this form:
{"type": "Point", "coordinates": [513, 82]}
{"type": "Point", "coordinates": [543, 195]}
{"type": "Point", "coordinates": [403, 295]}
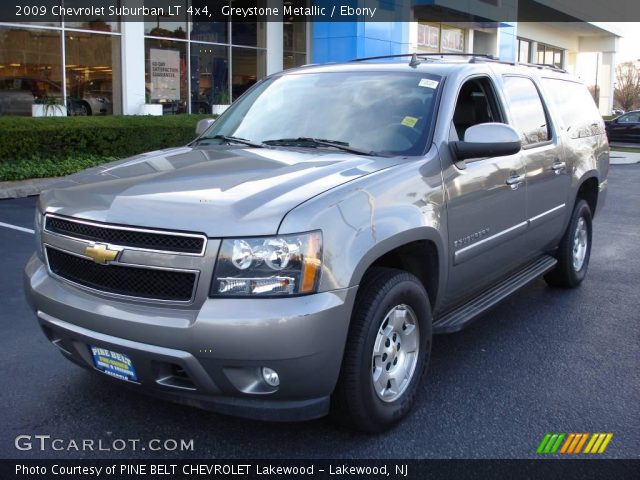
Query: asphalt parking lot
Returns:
{"type": "Point", "coordinates": [543, 361]}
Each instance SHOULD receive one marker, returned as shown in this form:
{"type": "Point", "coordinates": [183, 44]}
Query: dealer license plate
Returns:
{"type": "Point", "coordinates": [113, 363]}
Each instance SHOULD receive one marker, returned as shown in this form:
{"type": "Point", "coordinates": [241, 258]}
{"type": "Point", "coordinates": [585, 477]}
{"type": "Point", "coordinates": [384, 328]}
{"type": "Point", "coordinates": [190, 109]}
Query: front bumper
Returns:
{"type": "Point", "coordinates": [211, 356]}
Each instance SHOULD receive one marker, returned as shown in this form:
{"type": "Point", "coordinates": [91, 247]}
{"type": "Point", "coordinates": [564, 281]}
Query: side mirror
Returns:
{"type": "Point", "coordinates": [487, 140]}
{"type": "Point", "coordinates": [203, 125]}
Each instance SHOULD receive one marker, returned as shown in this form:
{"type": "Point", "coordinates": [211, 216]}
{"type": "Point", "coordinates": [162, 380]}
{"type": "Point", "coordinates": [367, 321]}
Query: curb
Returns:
{"type": "Point", "coordinates": [24, 188]}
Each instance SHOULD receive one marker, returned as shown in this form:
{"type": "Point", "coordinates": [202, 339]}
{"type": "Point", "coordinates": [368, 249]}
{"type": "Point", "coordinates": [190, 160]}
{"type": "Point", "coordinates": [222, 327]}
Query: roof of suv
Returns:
{"type": "Point", "coordinates": [436, 64]}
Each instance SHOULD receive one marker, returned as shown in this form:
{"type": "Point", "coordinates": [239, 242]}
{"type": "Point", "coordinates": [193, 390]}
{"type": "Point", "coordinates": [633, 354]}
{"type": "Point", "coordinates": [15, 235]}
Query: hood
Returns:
{"type": "Point", "coordinates": [226, 191]}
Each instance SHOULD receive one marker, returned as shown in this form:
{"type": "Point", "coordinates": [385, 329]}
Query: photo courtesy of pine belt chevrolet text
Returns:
{"type": "Point", "coordinates": [296, 258]}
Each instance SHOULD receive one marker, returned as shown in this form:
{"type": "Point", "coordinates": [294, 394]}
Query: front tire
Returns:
{"type": "Point", "coordinates": [574, 250]}
{"type": "Point", "coordinates": [387, 351]}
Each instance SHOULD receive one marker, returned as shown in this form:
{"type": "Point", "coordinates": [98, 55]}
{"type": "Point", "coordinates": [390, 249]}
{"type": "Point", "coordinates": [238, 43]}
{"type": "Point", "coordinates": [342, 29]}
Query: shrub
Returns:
{"type": "Point", "coordinates": [43, 147]}
{"type": "Point", "coordinates": [41, 167]}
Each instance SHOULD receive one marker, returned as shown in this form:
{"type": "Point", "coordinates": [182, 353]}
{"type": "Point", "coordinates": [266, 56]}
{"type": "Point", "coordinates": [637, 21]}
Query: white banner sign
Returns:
{"type": "Point", "coordinates": [165, 74]}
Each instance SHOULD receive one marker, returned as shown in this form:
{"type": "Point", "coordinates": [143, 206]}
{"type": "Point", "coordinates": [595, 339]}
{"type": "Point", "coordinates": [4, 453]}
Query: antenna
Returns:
{"type": "Point", "coordinates": [414, 61]}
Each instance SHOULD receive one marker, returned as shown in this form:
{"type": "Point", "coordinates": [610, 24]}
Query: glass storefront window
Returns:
{"type": "Point", "coordinates": [248, 66]}
{"type": "Point", "coordinates": [452, 39]}
{"type": "Point", "coordinates": [30, 68]}
{"type": "Point", "coordinates": [172, 27]}
{"type": "Point", "coordinates": [524, 47]}
{"type": "Point", "coordinates": [294, 44]}
{"type": "Point", "coordinates": [209, 77]}
{"type": "Point", "coordinates": [96, 24]}
{"type": "Point", "coordinates": [548, 55]}
{"type": "Point", "coordinates": [293, 59]}
{"type": "Point", "coordinates": [166, 74]}
{"type": "Point", "coordinates": [440, 38]}
{"type": "Point", "coordinates": [213, 32]}
{"type": "Point", "coordinates": [251, 34]}
{"type": "Point", "coordinates": [93, 74]}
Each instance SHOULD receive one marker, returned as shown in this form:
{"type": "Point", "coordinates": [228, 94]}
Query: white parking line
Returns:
{"type": "Point", "coordinates": [15, 227]}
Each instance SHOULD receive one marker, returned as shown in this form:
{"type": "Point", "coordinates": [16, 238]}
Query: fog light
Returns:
{"type": "Point", "coordinates": [270, 376]}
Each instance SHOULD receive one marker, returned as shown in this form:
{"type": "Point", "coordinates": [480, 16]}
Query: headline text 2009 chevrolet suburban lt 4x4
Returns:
{"type": "Point", "coordinates": [296, 258]}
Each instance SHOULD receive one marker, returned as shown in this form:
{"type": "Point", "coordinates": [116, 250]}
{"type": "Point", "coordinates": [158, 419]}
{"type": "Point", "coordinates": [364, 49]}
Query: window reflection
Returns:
{"type": "Point", "coordinates": [294, 44]}
{"type": "Point", "coordinates": [248, 66]}
{"type": "Point", "coordinates": [174, 26]}
{"type": "Point", "coordinates": [96, 24]}
{"type": "Point", "coordinates": [30, 69]}
{"type": "Point", "coordinates": [93, 74]}
{"type": "Point", "coordinates": [209, 78]}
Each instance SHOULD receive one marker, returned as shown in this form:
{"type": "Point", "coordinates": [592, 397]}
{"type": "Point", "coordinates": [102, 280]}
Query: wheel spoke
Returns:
{"type": "Point", "coordinates": [394, 356]}
{"type": "Point", "coordinates": [397, 319]}
{"type": "Point", "coordinates": [410, 339]}
{"type": "Point", "coordinates": [380, 380]}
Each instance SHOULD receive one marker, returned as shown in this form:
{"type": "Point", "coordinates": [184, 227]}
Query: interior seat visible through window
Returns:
{"type": "Point", "coordinates": [476, 104]}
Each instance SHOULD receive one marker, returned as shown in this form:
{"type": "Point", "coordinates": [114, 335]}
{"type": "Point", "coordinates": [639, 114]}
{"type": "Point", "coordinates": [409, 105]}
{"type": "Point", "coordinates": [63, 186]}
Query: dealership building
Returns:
{"type": "Point", "coordinates": [115, 67]}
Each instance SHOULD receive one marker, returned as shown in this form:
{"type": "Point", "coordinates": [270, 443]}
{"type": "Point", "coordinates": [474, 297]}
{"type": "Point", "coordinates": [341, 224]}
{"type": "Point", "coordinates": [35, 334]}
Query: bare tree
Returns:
{"type": "Point", "coordinates": [627, 91]}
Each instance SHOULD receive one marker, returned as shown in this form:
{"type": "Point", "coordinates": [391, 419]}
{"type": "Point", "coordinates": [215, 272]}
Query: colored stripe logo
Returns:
{"type": "Point", "coordinates": [571, 443]}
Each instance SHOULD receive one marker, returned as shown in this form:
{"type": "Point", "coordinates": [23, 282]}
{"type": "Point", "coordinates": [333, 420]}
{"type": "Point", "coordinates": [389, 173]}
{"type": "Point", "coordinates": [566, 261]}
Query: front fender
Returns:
{"type": "Point", "coordinates": [365, 219]}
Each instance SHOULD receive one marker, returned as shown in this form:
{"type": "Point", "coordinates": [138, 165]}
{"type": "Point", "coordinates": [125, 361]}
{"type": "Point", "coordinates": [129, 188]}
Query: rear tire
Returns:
{"type": "Point", "coordinates": [387, 351]}
{"type": "Point", "coordinates": [574, 250]}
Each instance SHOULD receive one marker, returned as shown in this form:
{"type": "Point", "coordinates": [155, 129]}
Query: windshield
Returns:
{"type": "Point", "coordinates": [383, 113]}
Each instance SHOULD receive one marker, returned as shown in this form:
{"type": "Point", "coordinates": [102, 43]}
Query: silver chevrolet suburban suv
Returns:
{"type": "Point", "coordinates": [297, 257]}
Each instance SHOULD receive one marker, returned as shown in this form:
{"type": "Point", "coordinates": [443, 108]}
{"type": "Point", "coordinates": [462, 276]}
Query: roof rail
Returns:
{"type": "Point", "coordinates": [472, 58]}
{"type": "Point", "coordinates": [424, 56]}
{"type": "Point", "coordinates": [543, 65]}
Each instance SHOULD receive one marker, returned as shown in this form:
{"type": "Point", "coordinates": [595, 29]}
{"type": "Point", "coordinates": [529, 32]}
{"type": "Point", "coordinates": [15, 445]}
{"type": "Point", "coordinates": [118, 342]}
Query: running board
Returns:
{"type": "Point", "coordinates": [458, 318]}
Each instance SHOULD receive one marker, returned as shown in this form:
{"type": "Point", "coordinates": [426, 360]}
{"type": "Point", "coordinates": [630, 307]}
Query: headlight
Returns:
{"type": "Point", "coordinates": [37, 227]}
{"type": "Point", "coordinates": [268, 266]}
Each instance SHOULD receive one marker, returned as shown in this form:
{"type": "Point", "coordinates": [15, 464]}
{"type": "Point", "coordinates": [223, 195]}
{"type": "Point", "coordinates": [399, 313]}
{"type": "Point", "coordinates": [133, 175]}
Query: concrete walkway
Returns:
{"type": "Point", "coordinates": [624, 158]}
{"type": "Point", "coordinates": [24, 188]}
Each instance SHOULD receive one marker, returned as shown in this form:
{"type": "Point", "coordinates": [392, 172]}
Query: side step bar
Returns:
{"type": "Point", "coordinates": [458, 318]}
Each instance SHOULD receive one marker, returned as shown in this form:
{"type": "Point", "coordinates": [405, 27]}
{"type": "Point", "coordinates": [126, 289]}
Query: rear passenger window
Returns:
{"type": "Point", "coordinates": [575, 106]}
{"type": "Point", "coordinates": [529, 116]}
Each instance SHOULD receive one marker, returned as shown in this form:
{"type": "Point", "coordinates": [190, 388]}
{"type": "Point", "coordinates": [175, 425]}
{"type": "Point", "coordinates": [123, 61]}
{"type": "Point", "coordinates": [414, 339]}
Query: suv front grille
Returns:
{"type": "Point", "coordinates": [126, 237]}
{"type": "Point", "coordinates": [123, 280]}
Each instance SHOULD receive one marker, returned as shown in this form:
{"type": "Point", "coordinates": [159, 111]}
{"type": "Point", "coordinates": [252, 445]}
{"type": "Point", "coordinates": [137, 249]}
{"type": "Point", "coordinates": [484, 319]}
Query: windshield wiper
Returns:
{"type": "Point", "coordinates": [230, 139]}
{"type": "Point", "coordinates": [315, 142]}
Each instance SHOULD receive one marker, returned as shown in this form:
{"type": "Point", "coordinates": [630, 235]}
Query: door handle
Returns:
{"type": "Point", "coordinates": [558, 167]}
{"type": "Point", "coordinates": [514, 181]}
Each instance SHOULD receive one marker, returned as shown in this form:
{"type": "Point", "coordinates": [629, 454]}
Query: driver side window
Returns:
{"type": "Point", "coordinates": [476, 104]}
{"type": "Point", "coordinates": [630, 118]}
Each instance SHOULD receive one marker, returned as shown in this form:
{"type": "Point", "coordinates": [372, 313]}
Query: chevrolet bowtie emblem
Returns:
{"type": "Point", "coordinates": [101, 253]}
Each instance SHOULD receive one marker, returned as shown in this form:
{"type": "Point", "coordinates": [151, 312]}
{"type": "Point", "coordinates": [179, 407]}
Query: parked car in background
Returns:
{"type": "Point", "coordinates": [93, 97]}
{"type": "Point", "coordinates": [617, 111]}
{"type": "Point", "coordinates": [625, 128]}
{"type": "Point", "coordinates": [18, 94]}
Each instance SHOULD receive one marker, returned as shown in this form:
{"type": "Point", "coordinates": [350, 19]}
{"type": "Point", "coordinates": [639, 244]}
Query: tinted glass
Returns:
{"type": "Point", "coordinates": [630, 118]}
{"type": "Point", "coordinates": [385, 113]}
{"type": "Point", "coordinates": [209, 77]}
{"type": "Point", "coordinates": [167, 26]}
{"type": "Point", "coordinates": [30, 68]}
{"type": "Point", "coordinates": [93, 74]}
{"type": "Point", "coordinates": [529, 117]}
{"type": "Point", "coordinates": [96, 23]}
{"type": "Point", "coordinates": [249, 66]}
{"type": "Point", "coordinates": [575, 106]}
